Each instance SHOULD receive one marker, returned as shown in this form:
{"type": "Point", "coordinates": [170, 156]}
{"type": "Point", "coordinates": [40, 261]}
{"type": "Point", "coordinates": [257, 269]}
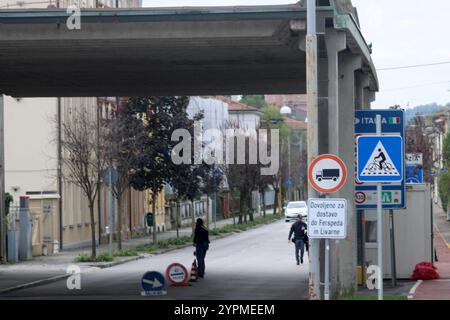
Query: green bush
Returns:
{"type": "Point", "coordinates": [164, 244]}
{"type": "Point", "coordinates": [103, 257]}
{"type": "Point", "coordinates": [444, 189]}
{"type": "Point", "coordinates": [125, 253]}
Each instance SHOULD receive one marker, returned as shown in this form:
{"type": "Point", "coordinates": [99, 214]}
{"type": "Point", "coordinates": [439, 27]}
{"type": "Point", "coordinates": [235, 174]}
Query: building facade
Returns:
{"type": "Point", "coordinates": [33, 164]}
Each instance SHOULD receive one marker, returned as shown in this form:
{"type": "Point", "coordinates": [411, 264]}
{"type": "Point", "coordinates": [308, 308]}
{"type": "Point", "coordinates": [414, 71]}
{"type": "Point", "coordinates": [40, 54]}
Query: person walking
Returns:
{"type": "Point", "coordinates": [201, 243]}
{"type": "Point", "coordinates": [299, 231]}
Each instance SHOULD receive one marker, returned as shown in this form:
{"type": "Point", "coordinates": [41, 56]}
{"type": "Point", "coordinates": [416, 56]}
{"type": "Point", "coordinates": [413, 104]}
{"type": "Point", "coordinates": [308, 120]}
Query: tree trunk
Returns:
{"type": "Point", "coordinates": [119, 223]}
{"type": "Point", "coordinates": [94, 247]}
{"type": "Point", "coordinates": [249, 206]}
{"type": "Point", "coordinates": [275, 205]}
{"type": "Point", "coordinates": [264, 203]}
{"type": "Point", "coordinates": [154, 196]}
{"type": "Point", "coordinates": [241, 208]}
{"type": "Point", "coordinates": [178, 213]}
{"type": "Point", "coordinates": [207, 210]}
{"type": "Point", "coordinates": [129, 212]}
{"type": "Point", "coordinates": [193, 217]}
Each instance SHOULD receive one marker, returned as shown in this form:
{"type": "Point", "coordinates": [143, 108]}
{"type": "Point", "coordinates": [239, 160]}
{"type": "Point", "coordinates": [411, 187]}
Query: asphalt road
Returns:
{"type": "Point", "coordinates": [258, 264]}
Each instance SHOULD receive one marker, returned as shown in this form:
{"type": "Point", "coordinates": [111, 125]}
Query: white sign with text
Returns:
{"type": "Point", "coordinates": [327, 218]}
{"type": "Point", "coordinates": [414, 159]}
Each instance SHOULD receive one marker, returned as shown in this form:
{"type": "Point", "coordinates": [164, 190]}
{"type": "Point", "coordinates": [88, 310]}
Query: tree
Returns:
{"type": "Point", "coordinates": [242, 177]}
{"type": "Point", "coordinates": [151, 166]}
{"type": "Point", "coordinates": [444, 190]}
{"type": "Point", "coordinates": [84, 158]}
{"type": "Point", "coordinates": [417, 142]}
{"type": "Point", "coordinates": [125, 133]}
{"type": "Point", "coordinates": [444, 178]}
{"type": "Point", "coordinates": [187, 183]}
{"type": "Point", "coordinates": [186, 175]}
{"type": "Point", "coordinates": [273, 119]}
{"type": "Point", "coordinates": [257, 101]}
{"type": "Point", "coordinates": [8, 200]}
{"type": "Point", "coordinates": [299, 160]}
{"type": "Point", "coordinates": [212, 177]}
{"type": "Point", "coordinates": [446, 151]}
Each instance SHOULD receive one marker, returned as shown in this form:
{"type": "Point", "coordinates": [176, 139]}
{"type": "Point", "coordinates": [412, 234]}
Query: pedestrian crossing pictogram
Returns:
{"type": "Point", "coordinates": [380, 163]}
{"type": "Point", "coordinates": [380, 158]}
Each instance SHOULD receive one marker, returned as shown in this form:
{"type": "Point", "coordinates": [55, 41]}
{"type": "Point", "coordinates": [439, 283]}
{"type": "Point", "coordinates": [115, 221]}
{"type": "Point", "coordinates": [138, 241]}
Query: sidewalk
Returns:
{"type": "Point", "coordinates": [39, 270]}
{"type": "Point", "coordinates": [438, 289]}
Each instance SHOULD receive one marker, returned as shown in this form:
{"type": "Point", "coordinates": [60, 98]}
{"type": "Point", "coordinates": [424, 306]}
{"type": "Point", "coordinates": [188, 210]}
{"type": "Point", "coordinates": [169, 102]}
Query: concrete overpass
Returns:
{"type": "Point", "coordinates": [200, 51]}
{"type": "Point", "coordinates": [227, 50]}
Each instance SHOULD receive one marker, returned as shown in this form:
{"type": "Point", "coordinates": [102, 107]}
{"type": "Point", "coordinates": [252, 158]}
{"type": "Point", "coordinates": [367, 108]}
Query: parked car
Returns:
{"type": "Point", "coordinates": [294, 208]}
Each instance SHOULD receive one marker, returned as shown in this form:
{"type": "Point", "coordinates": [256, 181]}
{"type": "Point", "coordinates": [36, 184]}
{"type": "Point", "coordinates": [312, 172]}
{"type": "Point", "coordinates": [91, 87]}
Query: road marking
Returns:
{"type": "Point", "coordinates": [413, 289]}
{"type": "Point", "coordinates": [442, 237]}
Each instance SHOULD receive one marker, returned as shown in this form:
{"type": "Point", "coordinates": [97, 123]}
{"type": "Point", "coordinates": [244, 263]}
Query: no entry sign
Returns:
{"type": "Point", "coordinates": [327, 173]}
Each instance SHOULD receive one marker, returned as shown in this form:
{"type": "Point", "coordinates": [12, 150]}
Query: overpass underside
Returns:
{"type": "Point", "coordinates": [196, 51]}
{"type": "Point", "coordinates": [201, 51]}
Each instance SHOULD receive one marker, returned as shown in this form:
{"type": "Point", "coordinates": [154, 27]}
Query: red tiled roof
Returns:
{"type": "Point", "coordinates": [236, 106]}
{"type": "Point", "coordinates": [296, 124]}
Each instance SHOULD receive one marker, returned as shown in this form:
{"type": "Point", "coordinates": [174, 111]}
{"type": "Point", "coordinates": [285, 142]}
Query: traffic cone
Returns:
{"type": "Point", "coordinates": [194, 276]}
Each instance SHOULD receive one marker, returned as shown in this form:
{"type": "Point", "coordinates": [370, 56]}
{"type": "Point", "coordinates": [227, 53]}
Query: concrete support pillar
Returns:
{"type": "Point", "coordinates": [369, 97]}
{"type": "Point", "coordinates": [361, 86]}
{"type": "Point", "coordinates": [335, 42]}
{"type": "Point", "coordinates": [344, 258]}
{"type": "Point", "coordinates": [3, 253]}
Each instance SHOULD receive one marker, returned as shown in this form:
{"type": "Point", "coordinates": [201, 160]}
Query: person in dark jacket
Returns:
{"type": "Point", "coordinates": [299, 231]}
{"type": "Point", "coordinates": [201, 243]}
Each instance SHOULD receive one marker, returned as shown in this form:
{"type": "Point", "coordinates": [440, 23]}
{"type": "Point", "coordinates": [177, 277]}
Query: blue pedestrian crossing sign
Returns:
{"type": "Point", "coordinates": [380, 158]}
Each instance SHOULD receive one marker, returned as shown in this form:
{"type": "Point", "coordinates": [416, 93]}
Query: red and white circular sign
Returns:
{"type": "Point", "coordinates": [360, 197]}
{"type": "Point", "coordinates": [177, 273]}
{"type": "Point", "coordinates": [327, 173]}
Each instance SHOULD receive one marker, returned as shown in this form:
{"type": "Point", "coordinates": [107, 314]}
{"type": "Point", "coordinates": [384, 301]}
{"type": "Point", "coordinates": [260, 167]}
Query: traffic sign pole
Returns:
{"type": "Point", "coordinates": [393, 262]}
{"type": "Point", "coordinates": [379, 225]}
{"type": "Point", "coordinates": [313, 134]}
{"type": "Point", "coordinates": [327, 269]}
{"type": "Point", "coordinates": [111, 203]}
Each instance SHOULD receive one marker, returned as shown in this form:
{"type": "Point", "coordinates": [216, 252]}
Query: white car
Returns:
{"type": "Point", "coordinates": [294, 208]}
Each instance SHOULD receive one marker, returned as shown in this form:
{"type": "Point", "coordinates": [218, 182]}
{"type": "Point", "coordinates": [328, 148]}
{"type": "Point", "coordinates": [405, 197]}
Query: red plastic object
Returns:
{"type": "Point", "coordinates": [425, 271]}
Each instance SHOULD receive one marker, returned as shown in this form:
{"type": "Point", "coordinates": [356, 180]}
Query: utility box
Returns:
{"type": "Point", "coordinates": [413, 233]}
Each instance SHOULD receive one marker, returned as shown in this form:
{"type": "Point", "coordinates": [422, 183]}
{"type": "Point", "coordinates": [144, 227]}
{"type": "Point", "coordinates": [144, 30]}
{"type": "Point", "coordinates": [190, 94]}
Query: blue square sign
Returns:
{"type": "Point", "coordinates": [380, 159]}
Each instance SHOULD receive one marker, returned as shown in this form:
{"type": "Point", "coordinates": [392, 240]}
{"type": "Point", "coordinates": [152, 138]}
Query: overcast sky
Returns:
{"type": "Point", "coordinates": [403, 33]}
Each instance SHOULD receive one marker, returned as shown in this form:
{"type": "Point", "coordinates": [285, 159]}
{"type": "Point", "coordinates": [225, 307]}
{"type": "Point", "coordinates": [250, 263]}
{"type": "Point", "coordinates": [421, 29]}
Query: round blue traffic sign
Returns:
{"type": "Point", "coordinates": [152, 281]}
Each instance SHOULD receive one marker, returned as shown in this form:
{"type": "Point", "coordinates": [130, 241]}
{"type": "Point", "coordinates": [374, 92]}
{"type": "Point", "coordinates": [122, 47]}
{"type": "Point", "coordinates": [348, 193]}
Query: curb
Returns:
{"type": "Point", "coordinates": [104, 265]}
{"type": "Point", "coordinates": [35, 283]}
{"type": "Point", "coordinates": [413, 289]}
{"type": "Point", "coordinates": [442, 237]}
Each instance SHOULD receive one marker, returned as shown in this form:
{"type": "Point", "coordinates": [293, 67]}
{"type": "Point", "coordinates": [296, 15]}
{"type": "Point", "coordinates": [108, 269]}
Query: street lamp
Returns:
{"type": "Point", "coordinates": [286, 111]}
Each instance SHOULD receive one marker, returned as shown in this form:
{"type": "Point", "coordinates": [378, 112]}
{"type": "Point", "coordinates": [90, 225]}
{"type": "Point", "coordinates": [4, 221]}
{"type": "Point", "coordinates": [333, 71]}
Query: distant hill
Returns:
{"type": "Point", "coordinates": [424, 109]}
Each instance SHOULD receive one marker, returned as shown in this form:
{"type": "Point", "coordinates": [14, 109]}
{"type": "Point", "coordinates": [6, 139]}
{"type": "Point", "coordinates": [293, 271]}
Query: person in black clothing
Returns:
{"type": "Point", "coordinates": [298, 229]}
{"type": "Point", "coordinates": [201, 243]}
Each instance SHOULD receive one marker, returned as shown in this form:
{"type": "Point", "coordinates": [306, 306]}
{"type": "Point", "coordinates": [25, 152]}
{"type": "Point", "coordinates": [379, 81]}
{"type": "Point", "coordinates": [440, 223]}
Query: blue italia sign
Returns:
{"type": "Point", "coordinates": [392, 124]}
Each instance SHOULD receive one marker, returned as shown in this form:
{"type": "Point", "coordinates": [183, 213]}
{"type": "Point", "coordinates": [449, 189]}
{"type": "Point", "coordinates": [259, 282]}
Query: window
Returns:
{"type": "Point", "coordinates": [296, 205]}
